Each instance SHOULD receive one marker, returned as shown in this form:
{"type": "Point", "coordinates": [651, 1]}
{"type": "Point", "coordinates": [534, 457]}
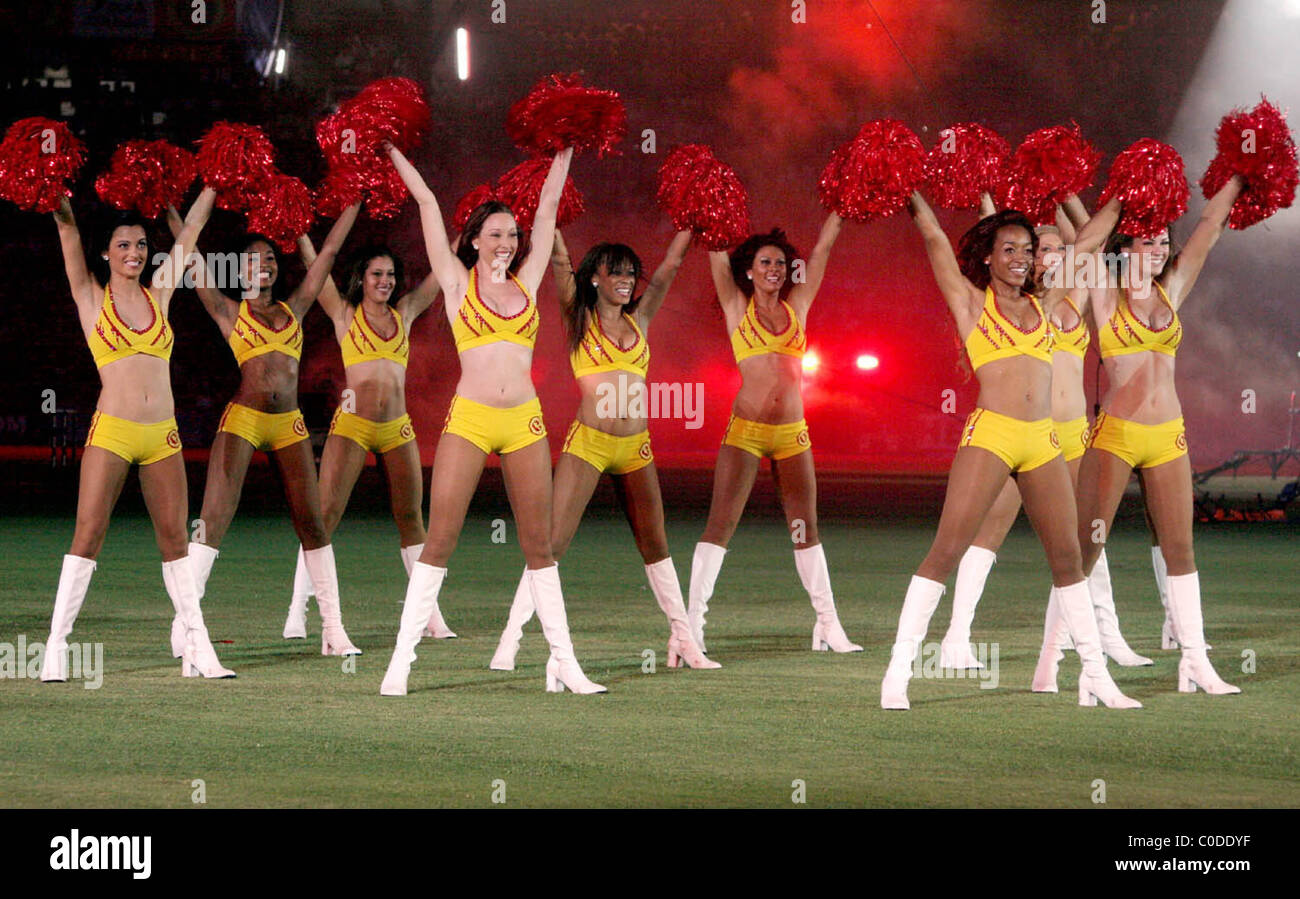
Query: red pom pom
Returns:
{"type": "Point", "coordinates": [473, 200]}
{"type": "Point", "coordinates": [237, 160]}
{"type": "Point", "coordinates": [283, 211]}
{"type": "Point", "coordinates": [874, 174]}
{"type": "Point", "coordinates": [1258, 146]}
{"type": "Point", "coordinates": [147, 176]}
{"type": "Point", "coordinates": [521, 188]}
{"type": "Point", "coordinates": [703, 195]}
{"type": "Point", "coordinates": [1048, 166]}
{"type": "Point", "coordinates": [37, 158]}
{"type": "Point", "coordinates": [1148, 180]}
{"type": "Point", "coordinates": [967, 161]}
{"type": "Point", "coordinates": [560, 112]}
{"type": "Point", "coordinates": [351, 139]}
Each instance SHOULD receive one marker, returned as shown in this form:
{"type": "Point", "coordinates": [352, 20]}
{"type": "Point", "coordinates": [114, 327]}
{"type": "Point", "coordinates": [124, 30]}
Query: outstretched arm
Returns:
{"type": "Point", "coordinates": [802, 296]}
{"type": "Point", "coordinates": [329, 297]}
{"type": "Point", "coordinates": [82, 283]}
{"type": "Point", "coordinates": [168, 275]}
{"type": "Point", "coordinates": [1070, 217]}
{"type": "Point", "coordinates": [662, 279]}
{"type": "Point", "coordinates": [451, 274]}
{"type": "Point", "coordinates": [987, 206]}
{"type": "Point", "coordinates": [548, 206]}
{"type": "Point", "coordinates": [413, 304]}
{"type": "Point", "coordinates": [220, 308]}
{"type": "Point", "coordinates": [1093, 235]}
{"type": "Point", "coordinates": [957, 292]}
{"type": "Point", "coordinates": [562, 269]}
{"type": "Point", "coordinates": [319, 268]}
{"type": "Point", "coordinates": [1214, 218]}
{"type": "Point", "coordinates": [729, 296]}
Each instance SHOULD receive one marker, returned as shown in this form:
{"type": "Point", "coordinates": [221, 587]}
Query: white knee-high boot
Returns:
{"type": "Point", "coordinates": [1194, 668]}
{"type": "Point", "coordinates": [521, 610]}
{"type": "Point", "coordinates": [421, 596]}
{"type": "Point", "coordinates": [436, 627]}
{"type": "Point", "coordinates": [198, 657]}
{"type": "Point", "coordinates": [827, 632]}
{"type": "Point", "coordinates": [705, 566]}
{"type": "Point", "coordinates": [955, 650]}
{"type": "Point", "coordinates": [295, 625]}
{"type": "Point", "coordinates": [668, 593]}
{"type": "Point", "coordinates": [202, 558]}
{"type": "Point", "coordinates": [922, 599]}
{"type": "Point", "coordinates": [562, 670]}
{"type": "Point", "coordinates": [1103, 604]}
{"type": "Point", "coordinates": [1094, 681]}
{"type": "Point", "coordinates": [74, 581]}
{"type": "Point", "coordinates": [1055, 634]}
{"type": "Point", "coordinates": [325, 581]}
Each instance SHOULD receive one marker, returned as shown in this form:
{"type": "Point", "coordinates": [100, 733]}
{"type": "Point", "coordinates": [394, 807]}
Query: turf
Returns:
{"type": "Point", "coordinates": [297, 730]}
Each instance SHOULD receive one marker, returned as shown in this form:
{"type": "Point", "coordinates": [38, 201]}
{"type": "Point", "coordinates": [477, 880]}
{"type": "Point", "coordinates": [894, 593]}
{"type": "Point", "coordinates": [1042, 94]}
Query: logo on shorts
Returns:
{"type": "Point", "coordinates": [1087, 433]}
{"type": "Point", "coordinates": [300, 427]}
{"type": "Point", "coordinates": [535, 425]}
{"type": "Point", "coordinates": [407, 432]}
{"type": "Point", "coordinates": [1056, 441]}
{"type": "Point", "coordinates": [802, 438]}
{"type": "Point", "coordinates": [1181, 442]}
{"type": "Point", "coordinates": [644, 451]}
{"type": "Point", "coordinates": [174, 439]}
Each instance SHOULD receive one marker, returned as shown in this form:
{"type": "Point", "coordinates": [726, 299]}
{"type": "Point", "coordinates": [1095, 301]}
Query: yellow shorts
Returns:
{"type": "Point", "coordinates": [1023, 445]}
{"type": "Point", "coordinates": [265, 430]}
{"type": "Point", "coordinates": [495, 430]}
{"type": "Point", "coordinates": [1141, 446]}
{"type": "Point", "coordinates": [760, 439]}
{"type": "Point", "coordinates": [1073, 435]}
{"type": "Point", "coordinates": [135, 442]}
{"type": "Point", "coordinates": [607, 453]}
{"type": "Point", "coordinates": [372, 436]}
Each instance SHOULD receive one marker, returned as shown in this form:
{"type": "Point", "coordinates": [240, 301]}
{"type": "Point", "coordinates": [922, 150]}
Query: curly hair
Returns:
{"type": "Point", "coordinates": [466, 251]}
{"type": "Point", "coordinates": [742, 259]}
{"type": "Point", "coordinates": [977, 243]}
{"type": "Point", "coordinates": [609, 256]}
{"type": "Point", "coordinates": [357, 266]}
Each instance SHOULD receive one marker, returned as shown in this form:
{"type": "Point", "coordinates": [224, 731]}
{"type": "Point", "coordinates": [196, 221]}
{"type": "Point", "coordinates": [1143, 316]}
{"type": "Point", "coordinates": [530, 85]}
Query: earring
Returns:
{"type": "Point", "coordinates": [595, 284]}
{"type": "Point", "coordinates": [105, 257]}
{"type": "Point", "coordinates": [476, 246]}
{"type": "Point", "coordinates": [749, 276]}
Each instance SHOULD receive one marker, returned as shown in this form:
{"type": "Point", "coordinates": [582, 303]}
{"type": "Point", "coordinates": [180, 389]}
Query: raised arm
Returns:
{"type": "Point", "coordinates": [319, 268]}
{"type": "Point", "coordinates": [802, 296]}
{"type": "Point", "coordinates": [1214, 218]}
{"type": "Point", "coordinates": [1070, 217]}
{"type": "Point", "coordinates": [562, 270]}
{"type": "Point", "coordinates": [413, 304]}
{"type": "Point", "coordinates": [1092, 236]}
{"type": "Point", "coordinates": [548, 206]}
{"type": "Point", "coordinates": [987, 206]}
{"type": "Point", "coordinates": [329, 297]}
{"type": "Point", "coordinates": [451, 274]}
{"type": "Point", "coordinates": [663, 277]}
{"type": "Point", "coordinates": [958, 293]}
{"type": "Point", "coordinates": [220, 308]}
{"type": "Point", "coordinates": [729, 296]}
{"type": "Point", "coordinates": [85, 291]}
{"type": "Point", "coordinates": [168, 276]}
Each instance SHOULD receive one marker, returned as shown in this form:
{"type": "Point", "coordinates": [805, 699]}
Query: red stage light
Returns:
{"type": "Point", "coordinates": [868, 362]}
{"type": "Point", "coordinates": [811, 362]}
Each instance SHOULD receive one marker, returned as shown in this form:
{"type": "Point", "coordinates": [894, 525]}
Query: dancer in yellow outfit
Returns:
{"type": "Point", "coordinates": [489, 282]}
{"type": "Point", "coordinates": [373, 326]}
{"type": "Point", "coordinates": [126, 328]}
{"type": "Point", "coordinates": [610, 356]}
{"type": "Point", "coordinates": [265, 336]}
{"type": "Point", "coordinates": [768, 337]}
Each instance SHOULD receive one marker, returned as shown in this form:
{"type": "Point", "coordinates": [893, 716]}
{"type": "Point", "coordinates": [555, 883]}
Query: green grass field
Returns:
{"type": "Point", "coordinates": [296, 730]}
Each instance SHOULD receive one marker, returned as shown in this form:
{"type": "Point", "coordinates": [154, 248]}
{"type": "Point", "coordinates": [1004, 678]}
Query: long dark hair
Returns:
{"type": "Point", "coordinates": [357, 266]}
{"type": "Point", "coordinates": [742, 259]}
{"type": "Point", "coordinates": [609, 256]}
{"type": "Point", "coordinates": [466, 251]}
{"type": "Point", "coordinates": [977, 243]}
{"type": "Point", "coordinates": [109, 223]}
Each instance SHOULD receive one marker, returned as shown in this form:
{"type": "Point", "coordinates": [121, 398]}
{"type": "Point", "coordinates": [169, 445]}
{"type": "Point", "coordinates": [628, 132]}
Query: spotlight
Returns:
{"type": "Point", "coordinates": [462, 54]}
{"type": "Point", "coordinates": [280, 56]}
{"type": "Point", "coordinates": [867, 362]}
{"type": "Point", "coordinates": [811, 361]}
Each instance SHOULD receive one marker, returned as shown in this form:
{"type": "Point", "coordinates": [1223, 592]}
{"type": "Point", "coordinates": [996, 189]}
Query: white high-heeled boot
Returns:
{"type": "Point", "coordinates": [1194, 668]}
{"type": "Point", "coordinates": [521, 610]}
{"type": "Point", "coordinates": [668, 593]}
{"type": "Point", "coordinates": [955, 650]}
{"type": "Point", "coordinates": [202, 558]}
{"type": "Point", "coordinates": [1094, 680]}
{"type": "Point", "coordinates": [827, 632]}
{"type": "Point", "coordinates": [295, 624]}
{"type": "Point", "coordinates": [421, 596]}
{"type": "Point", "coordinates": [562, 669]}
{"type": "Point", "coordinates": [325, 582]}
{"type": "Point", "coordinates": [1103, 605]}
{"type": "Point", "coordinates": [1167, 638]}
{"type": "Point", "coordinates": [198, 657]}
{"type": "Point", "coordinates": [74, 581]}
{"type": "Point", "coordinates": [436, 626]}
{"type": "Point", "coordinates": [922, 599]}
{"type": "Point", "coordinates": [1055, 632]}
{"type": "Point", "coordinates": [705, 565]}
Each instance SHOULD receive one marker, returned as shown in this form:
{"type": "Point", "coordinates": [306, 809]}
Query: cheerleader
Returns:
{"type": "Point", "coordinates": [1140, 426]}
{"type": "Point", "coordinates": [1007, 338]}
{"type": "Point", "coordinates": [373, 330]}
{"type": "Point", "coordinates": [125, 325]}
{"type": "Point", "coordinates": [768, 337]}
{"type": "Point", "coordinates": [494, 322]}
{"type": "Point", "coordinates": [609, 353]}
{"type": "Point", "coordinates": [265, 336]}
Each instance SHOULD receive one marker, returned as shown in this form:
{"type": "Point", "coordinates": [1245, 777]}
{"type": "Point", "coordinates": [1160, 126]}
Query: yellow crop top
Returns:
{"type": "Point", "coordinates": [1125, 332]}
{"type": "Point", "coordinates": [476, 324]}
{"type": "Point", "coordinates": [752, 339]}
{"type": "Point", "coordinates": [1071, 340]}
{"type": "Point", "coordinates": [363, 344]}
{"type": "Point", "coordinates": [996, 337]}
{"type": "Point", "coordinates": [598, 352]}
{"type": "Point", "coordinates": [250, 338]}
{"type": "Point", "coordinates": [112, 339]}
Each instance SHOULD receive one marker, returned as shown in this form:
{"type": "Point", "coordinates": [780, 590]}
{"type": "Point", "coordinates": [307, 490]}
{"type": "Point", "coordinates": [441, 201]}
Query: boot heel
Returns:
{"type": "Point", "coordinates": [553, 684]}
{"type": "Point", "coordinates": [1185, 682]}
{"type": "Point", "coordinates": [187, 669]}
{"type": "Point", "coordinates": [674, 660]}
{"type": "Point", "coordinates": [1086, 696]}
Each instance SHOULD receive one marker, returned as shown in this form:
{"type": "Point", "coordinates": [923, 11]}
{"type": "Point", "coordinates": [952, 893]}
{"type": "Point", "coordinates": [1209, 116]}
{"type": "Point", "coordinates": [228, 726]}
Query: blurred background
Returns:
{"type": "Point", "coordinates": [772, 96]}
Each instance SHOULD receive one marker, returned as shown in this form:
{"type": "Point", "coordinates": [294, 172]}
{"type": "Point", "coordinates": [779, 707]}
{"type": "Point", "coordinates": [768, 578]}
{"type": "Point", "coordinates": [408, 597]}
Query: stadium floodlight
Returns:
{"type": "Point", "coordinates": [868, 362]}
{"type": "Point", "coordinates": [280, 58]}
{"type": "Point", "coordinates": [462, 54]}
